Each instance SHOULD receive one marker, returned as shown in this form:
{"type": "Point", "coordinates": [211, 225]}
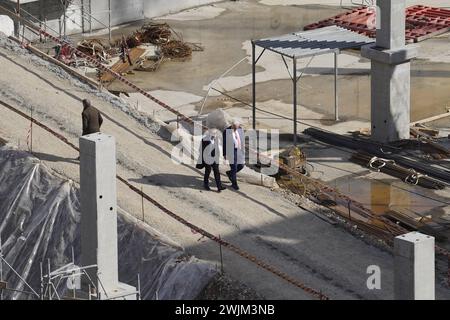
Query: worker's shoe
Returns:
{"type": "Point", "coordinates": [206, 187]}
{"type": "Point", "coordinates": [221, 188]}
{"type": "Point", "coordinates": [235, 187]}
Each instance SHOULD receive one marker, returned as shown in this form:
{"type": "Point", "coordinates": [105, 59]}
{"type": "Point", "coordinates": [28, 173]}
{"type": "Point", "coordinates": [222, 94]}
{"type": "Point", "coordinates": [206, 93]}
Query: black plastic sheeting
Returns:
{"type": "Point", "coordinates": [39, 220]}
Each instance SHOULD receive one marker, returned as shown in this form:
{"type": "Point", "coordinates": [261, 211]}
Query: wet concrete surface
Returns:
{"type": "Point", "coordinates": [223, 38]}
{"type": "Point", "coordinates": [382, 195]}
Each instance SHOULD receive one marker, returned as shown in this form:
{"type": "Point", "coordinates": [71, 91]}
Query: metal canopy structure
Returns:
{"type": "Point", "coordinates": [305, 44]}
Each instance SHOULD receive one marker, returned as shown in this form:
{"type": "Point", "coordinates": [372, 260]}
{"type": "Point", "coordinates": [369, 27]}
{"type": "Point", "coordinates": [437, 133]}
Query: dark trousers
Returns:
{"type": "Point", "coordinates": [215, 168]}
{"type": "Point", "coordinates": [235, 168]}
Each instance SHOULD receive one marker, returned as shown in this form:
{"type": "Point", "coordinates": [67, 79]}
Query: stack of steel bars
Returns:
{"type": "Point", "coordinates": [381, 151]}
{"type": "Point", "coordinates": [391, 168]}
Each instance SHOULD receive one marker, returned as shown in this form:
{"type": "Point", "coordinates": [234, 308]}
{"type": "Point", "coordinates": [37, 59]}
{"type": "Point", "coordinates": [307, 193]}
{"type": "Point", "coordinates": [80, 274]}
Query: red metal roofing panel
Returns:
{"type": "Point", "coordinates": [422, 22]}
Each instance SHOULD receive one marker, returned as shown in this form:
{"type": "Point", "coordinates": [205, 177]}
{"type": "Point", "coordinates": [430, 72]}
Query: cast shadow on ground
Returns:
{"type": "Point", "coordinates": [196, 183]}
{"type": "Point", "coordinates": [53, 158]}
{"type": "Point", "coordinates": [172, 181]}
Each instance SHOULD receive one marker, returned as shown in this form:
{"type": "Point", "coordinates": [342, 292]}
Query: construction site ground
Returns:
{"type": "Point", "coordinates": [268, 223]}
{"type": "Point", "coordinates": [225, 30]}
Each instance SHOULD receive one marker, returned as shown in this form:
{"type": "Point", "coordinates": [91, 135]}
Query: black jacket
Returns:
{"type": "Point", "coordinates": [209, 157]}
{"type": "Point", "coordinates": [92, 120]}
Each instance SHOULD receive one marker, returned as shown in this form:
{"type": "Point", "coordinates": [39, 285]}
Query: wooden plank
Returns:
{"type": "Point", "coordinates": [431, 119]}
{"type": "Point", "coordinates": [122, 67]}
{"type": "Point", "coordinates": [3, 285]}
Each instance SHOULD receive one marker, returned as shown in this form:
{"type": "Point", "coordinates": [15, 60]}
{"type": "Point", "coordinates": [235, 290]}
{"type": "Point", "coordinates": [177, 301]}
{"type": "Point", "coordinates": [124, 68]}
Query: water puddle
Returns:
{"type": "Point", "coordinates": [383, 196]}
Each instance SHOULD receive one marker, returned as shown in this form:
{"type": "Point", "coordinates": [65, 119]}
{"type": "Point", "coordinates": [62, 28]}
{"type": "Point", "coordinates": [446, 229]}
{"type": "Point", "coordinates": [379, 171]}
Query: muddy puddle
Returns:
{"type": "Point", "coordinates": [382, 196]}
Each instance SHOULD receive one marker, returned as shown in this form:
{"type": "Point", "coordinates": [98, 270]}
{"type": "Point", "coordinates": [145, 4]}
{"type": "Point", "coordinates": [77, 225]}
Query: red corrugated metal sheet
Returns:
{"type": "Point", "coordinates": [422, 22]}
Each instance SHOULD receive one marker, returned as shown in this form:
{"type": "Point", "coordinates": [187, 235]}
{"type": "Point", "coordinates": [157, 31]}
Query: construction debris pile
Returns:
{"type": "Point", "coordinates": [95, 48]}
{"type": "Point", "coordinates": [144, 50]}
{"type": "Point", "coordinates": [171, 44]}
{"type": "Point", "coordinates": [155, 33]}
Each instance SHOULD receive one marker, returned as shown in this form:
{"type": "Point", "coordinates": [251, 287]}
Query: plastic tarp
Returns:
{"type": "Point", "coordinates": [39, 222]}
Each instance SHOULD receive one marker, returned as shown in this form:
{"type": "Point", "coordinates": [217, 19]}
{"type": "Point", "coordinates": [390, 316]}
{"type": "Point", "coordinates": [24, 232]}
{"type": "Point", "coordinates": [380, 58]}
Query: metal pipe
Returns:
{"type": "Point", "coordinates": [254, 85]}
{"type": "Point", "coordinates": [49, 283]}
{"type": "Point", "coordinates": [1, 266]}
{"type": "Point", "coordinates": [82, 17]}
{"type": "Point", "coordinates": [90, 16]}
{"type": "Point", "coordinates": [336, 98]}
{"type": "Point", "coordinates": [211, 86]}
{"type": "Point", "coordinates": [31, 132]}
{"type": "Point", "coordinates": [138, 287]}
{"type": "Point", "coordinates": [19, 276]}
{"type": "Point", "coordinates": [17, 24]}
{"type": "Point", "coordinates": [42, 281]}
{"type": "Point", "coordinates": [109, 20]}
{"type": "Point", "coordinates": [64, 18]}
{"type": "Point", "coordinates": [294, 80]}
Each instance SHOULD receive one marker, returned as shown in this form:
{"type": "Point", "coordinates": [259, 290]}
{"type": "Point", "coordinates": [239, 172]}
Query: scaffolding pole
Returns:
{"type": "Point", "coordinates": [294, 80]}
{"type": "Point", "coordinates": [336, 94]}
{"type": "Point", "coordinates": [254, 84]}
{"type": "Point", "coordinates": [109, 20]}
{"type": "Point", "coordinates": [17, 22]}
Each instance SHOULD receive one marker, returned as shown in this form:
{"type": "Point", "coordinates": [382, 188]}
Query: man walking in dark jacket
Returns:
{"type": "Point", "coordinates": [92, 119]}
{"type": "Point", "coordinates": [209, 159]}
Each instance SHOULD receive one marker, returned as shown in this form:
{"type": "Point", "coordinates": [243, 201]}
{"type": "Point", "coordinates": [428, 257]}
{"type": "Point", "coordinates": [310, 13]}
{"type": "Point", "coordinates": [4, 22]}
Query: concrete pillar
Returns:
{"type": "Point", "coordinates": [391, 35]}
{"type": "Point", "coordinates": [99, 214]}
{"type": "Point", "coordinates": [391, 74]}
{"type": "Point", "coordinates": [414, 277]}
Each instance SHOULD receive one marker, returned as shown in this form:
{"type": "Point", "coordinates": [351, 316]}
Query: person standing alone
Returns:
{"type": "Point", "coordinates": [92, 118]}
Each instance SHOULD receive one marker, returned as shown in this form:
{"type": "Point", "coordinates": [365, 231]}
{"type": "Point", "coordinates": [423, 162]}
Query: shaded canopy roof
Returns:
{"type": "Point", "coordinates": [313, 42]}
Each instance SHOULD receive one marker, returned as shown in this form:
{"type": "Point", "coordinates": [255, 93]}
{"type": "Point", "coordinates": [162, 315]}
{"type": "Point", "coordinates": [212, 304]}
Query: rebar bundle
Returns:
{"type": "Point", "coordinates": [176, 49]}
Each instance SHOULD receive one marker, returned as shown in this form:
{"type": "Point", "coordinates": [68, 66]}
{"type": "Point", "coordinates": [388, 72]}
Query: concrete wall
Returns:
{"type": "Point", "coordinates": [121, 12]}
{"type": "Point", "coordinates": [133, 10]}
{"type": "Point", "coordinates": [155, 8]}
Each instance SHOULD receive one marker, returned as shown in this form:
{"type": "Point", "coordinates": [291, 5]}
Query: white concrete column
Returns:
{"type": "Point", "coordinates": [390, 82]}
{"type": "Point", "coordinates": [414, 277]}
{"type": "Point", "coordinates": [392, 19]}
{"type": "Point", "coordinates": [99, 213]}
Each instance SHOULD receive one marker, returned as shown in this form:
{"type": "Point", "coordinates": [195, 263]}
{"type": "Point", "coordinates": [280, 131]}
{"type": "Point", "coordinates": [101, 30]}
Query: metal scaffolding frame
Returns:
{"type": "Point", "coordinates": [84, 14]}
{"type": "Point", "coordinates": [51, 280]}
{"type": "Point", "coordinates": [302, 45]}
